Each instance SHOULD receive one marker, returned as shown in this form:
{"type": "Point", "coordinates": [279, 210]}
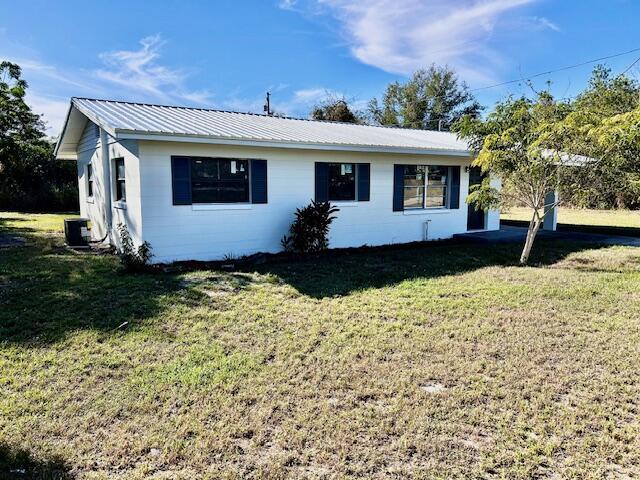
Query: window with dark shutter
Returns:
{"type": "Point", "coordinates": [218, 180]}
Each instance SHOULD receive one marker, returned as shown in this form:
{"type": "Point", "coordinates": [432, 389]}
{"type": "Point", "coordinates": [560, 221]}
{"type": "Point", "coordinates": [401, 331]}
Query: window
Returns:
{"type": "Point", "coordinates": [342, 181]}
{"type": "Point", "coordinates": [121, 192]}
{"type": "Point", "coordinates": [425, 186]}
{"type": "Point", "coordinates": [89, 180]}
{"type": "Point", "coordinates": [436, 194]}
{"type": "Point", "coordinates": [219, 180]}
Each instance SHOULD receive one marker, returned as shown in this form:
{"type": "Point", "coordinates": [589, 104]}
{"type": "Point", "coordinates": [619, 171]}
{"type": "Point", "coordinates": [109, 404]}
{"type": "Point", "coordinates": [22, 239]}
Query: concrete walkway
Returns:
{"type": "Point", "coordinates": [511, 234]}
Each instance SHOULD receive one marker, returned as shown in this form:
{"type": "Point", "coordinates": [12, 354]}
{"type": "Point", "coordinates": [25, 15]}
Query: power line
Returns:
{"type": "Point", "coordinates": [561, 69]}
{"type": "Point", "coordinates": [630, 66]}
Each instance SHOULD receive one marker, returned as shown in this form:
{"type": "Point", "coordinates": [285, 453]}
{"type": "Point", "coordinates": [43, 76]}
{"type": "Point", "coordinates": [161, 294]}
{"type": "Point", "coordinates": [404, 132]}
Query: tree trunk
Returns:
{"type": "Point", "coordinates": [532, 231]}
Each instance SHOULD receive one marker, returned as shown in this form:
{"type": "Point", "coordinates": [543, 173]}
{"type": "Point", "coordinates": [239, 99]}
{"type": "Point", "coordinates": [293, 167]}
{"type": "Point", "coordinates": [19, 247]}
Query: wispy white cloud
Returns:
{"type": "Point", "coordinates": [296, 103]}
{"type": "Point", "coordinates": [140, 74]}
{"type": "Point", "coordinates": [51, 72]}
{"type": "Point", "coordinates": [287, 4]}
{"type": "Point", "coordinates": [400, 36]}
{"type": "Point", "coordinates": [545, 23]}
{"type": "Point", "coordinates": [136, 74]}
{"type": "Point", "coordinates": [52, 109]}
{"type": "Point", "coordinates": [140, 70]}
{"type": "Point", "coordinates": [310, 95]}
{"type": "Point", "coordinates": [198, 97]}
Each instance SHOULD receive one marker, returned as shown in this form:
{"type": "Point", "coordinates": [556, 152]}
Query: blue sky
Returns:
{"type": "Point", "coordinates": [227, 54]}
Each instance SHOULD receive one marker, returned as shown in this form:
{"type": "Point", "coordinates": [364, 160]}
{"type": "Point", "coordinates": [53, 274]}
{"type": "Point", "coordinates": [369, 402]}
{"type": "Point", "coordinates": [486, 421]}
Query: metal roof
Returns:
{"type": "Point", "coordinates": [161, 122]}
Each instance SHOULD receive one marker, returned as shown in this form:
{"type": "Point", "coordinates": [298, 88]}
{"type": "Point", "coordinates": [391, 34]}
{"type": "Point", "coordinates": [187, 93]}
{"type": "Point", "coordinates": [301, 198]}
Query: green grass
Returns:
{"type": "Point", "coordinates": [575, 216]}
{"type": "Point", "coordinates": [40, 222]}
{"type": "Point", "coordinates": [318, 369]}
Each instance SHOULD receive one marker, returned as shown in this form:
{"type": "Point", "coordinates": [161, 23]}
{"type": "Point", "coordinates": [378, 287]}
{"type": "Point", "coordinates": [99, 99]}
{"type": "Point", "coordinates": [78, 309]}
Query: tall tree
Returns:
{"type": "Point", "coordinates": [614, 182]}
{"type": "Point", "coordinates": [30, 177]}
{"type": "Point", "coordinates": [521, 143]}
{"type": "Point", "coordinates": [432, 99]}
{"type": "Point", "coordinates": [18, 124]}
{"type": "Point", "coordinates": [336, 109]}
{"type": "Point", "coordinates": [607, 95]}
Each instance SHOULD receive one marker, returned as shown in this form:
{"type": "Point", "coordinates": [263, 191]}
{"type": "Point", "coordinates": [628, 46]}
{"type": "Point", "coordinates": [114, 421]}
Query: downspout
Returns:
{"type": "Point", "coordinates": [106, 169]}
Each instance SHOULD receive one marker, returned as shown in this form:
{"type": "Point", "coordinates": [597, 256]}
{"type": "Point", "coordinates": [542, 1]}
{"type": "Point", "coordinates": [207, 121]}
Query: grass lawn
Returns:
{"type": "Point", "coordinates": [434, 361]}
{"type": "Point", "coordinates": [576, 216]}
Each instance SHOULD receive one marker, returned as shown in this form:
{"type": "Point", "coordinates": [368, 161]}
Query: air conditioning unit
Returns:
{"type": "Point", "coordinates": [77, 232]}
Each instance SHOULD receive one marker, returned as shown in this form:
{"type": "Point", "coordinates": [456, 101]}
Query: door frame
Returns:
{"type": "Point", "coordinates": [471, 208]}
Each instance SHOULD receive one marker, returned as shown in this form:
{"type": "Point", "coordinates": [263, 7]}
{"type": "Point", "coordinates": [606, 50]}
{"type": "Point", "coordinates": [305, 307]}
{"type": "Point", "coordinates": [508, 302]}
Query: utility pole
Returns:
{"type": "Point", "coordinates": [267, 106]}
{"type": "Point", "coordinates": [440, 125]}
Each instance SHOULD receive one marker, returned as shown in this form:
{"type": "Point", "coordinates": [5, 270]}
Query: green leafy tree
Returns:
{"type": "Point", "coordinates": [433, 99]}
{"type": "Point", "coordinates": [608, 95]}
{"type": "Point", "coordinates": [520, 143]}
{"type": "Point", "coordinates": [30, 177]}
{"type": "Point", "coordinates": [615, 142]}
{"type": "Point", "coordinates": [336, 109]}
{"type": "Point", "coordinates": [599, 113]}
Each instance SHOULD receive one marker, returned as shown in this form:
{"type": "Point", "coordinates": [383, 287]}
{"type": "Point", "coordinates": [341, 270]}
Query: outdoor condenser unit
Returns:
{"type": "Point", "coordinates": [77, 232]}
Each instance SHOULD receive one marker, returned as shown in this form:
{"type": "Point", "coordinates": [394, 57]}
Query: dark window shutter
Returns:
{"type": "Point", "coordinates": [322, 182]}
{"type": "Point", "coordinates": [454, 196]}
{"type": "Point", "coordinates": [181, 180]}
{"type": "Point", "coordinates": [363, 174]}
{"type": "Point", "coordinates": [398, 188]}
{"type": "Point", "coordinates": [258, 181]}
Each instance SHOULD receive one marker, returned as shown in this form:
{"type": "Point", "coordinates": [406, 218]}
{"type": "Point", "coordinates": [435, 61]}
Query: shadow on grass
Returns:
{"type": "Point", "coordinates": [47, 291]}
{"type": "Point", "coordinates": [20, 464]}
{"type": "Point", "coordinates": [337, 273]}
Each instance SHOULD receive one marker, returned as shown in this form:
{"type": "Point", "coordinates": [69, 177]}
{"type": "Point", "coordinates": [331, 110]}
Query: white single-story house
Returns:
{"type": "Point", "coordinates": [201, 184]}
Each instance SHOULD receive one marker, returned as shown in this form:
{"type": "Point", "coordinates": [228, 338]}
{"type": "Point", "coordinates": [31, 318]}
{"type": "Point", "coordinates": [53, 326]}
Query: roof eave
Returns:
{"type": "Point", "coordinates": [69, 155]}
{"type": "Point", "coordinates": [215, 140]}
{"type": "Point", "coordinates": [56, 150]}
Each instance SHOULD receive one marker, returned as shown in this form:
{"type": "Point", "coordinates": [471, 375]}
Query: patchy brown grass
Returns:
{"type": "Point", "coordinates": [433, 362]}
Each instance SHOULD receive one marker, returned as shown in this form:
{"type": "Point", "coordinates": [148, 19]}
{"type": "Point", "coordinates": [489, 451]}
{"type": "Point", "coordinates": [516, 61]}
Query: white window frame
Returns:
{"type": "Point", "coordinates": [90, 182]}
{"type": "Point", "coordinates": [425, 186]}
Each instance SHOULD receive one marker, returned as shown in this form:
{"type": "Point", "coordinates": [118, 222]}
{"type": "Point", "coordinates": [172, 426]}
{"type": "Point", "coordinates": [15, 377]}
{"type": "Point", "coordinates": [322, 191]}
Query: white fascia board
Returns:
{"type": "Point", "coordinates": [64, 129]}
{"type": "Point", "coordinates": [131, 135]}
{"type": "Point", "coordinates": [71, 155]}
{"type": "Point", "coordinates": [66, 156]}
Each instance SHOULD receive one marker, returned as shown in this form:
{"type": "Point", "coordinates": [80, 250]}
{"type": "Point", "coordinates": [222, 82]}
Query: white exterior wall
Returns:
{"type": "Point", "coordinates": [89, 152]}
{"type": "Point", "coordinates": [493, 216]}
{"type": "Point", "coordinates": [209, 232]}
{"type": "Point", "coordinates": [94, 208]}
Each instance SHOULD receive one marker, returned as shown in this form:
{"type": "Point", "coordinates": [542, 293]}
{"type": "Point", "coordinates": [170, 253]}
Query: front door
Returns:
{"type": "Point", "coordinates": [475, 218]}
